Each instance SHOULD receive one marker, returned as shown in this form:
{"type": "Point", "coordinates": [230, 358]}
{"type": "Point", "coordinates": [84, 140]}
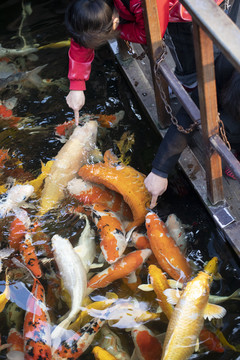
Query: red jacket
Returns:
{"type": "Point", "coordinates": [80, 58]}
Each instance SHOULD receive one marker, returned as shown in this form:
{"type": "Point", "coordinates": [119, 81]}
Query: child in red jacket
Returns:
{"type": "Point", "coordinates": [92, 22]}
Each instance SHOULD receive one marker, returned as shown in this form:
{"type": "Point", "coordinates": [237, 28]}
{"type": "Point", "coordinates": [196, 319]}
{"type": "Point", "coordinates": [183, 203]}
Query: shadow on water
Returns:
{"type": "Point", "coordinates": [29, 135]}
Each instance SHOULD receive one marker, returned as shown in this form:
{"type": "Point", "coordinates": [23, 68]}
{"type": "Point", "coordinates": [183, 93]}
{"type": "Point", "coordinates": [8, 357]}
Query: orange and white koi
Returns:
{"type": "Point", "coordinates": [112, 343]}
{"type": "Point", "coordinates": [147, 346]}
{"type": "Point", "coordinates": [68, 161]}
{"type": "Point", "coordinates": [29, 256]}
{"type": "Point", "coordinates": [77, 344]}
{"type": "Point", "coordinates": [191, 309]}
{"type": "Point", "coordinates": [16, 348]}
{"type": "Point", "coordinates": [74, 277]}
{"type": "Point", "coordinates": [18, 229]}
{"type": "Point", "coordinates": [102, 354]}
{"type": "Point", "coordinates": [36, 328]}
{"type": "Point", "coordinates": [113, 241]}
{"type": "Point", "coordinates": [123, 179]}
{"type": "Point", "coordinates": [165, 249]}
{"type": "Point", "coordinates": [88, 193]}
{"type": "Point", "coordinates": [139, 240]}
{"type": "Point", "coordinates": [122, 267]}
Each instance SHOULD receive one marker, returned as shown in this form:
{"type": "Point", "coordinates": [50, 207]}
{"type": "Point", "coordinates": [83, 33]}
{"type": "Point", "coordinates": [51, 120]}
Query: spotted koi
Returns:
{"type": "Point", "coordinates": [77, 344]}
{"type": "Point", "coordinates": [147, 346]}
{"type": "Point", "coordinates": [29, 256]}
{"type": "Point", "coordinates": [36, 328]}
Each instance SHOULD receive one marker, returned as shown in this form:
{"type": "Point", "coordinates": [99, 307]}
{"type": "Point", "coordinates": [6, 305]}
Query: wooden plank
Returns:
{"type": "Point", "coordinates": [154, 41]}
{"type": "Point", "coordinates": [227, 36]}
{"type": "Point", "coordinates": [209, 112]}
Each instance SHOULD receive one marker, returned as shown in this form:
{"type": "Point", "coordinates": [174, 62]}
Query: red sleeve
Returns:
{"type": "Point", "coordinates": [80, 59]}
{"type": "Point", "coordinates": [134, 31]}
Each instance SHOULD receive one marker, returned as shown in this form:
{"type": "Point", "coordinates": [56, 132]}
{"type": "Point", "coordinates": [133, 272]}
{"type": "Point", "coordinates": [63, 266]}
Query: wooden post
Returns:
{"type": "Point", "coordinates": [155, 42]}
{"type": "Point", "coordinates": [209, 111]}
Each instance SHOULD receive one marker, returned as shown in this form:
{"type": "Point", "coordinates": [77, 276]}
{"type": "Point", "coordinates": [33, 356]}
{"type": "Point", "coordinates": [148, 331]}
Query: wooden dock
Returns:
{"type": "Point", "coordinates": [226, 214]}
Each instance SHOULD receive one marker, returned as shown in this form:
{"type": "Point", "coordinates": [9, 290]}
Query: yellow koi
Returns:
{"type": "Point", "coordinates": [101, 354]}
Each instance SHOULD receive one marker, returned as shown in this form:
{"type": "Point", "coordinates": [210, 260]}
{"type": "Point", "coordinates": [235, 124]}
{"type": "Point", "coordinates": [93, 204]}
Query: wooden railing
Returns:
{"type": "Point", "coordinates": [210, 25]}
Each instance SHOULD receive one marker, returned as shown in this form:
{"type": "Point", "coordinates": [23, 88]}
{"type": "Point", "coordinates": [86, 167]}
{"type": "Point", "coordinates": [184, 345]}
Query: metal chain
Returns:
{"type": "Point", "coordinates": [223, 132]}
{"type": "Point", "coordinates": [168, 108]}
{"type": "Point", "coordinates": [132, 52]}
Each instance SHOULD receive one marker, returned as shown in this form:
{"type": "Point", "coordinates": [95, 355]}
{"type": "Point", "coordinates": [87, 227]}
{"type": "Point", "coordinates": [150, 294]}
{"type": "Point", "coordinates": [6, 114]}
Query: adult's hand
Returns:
{"type": "Point", "coordinates": [156, 185]}
{"type": "Point", "coordinates": [76, 100]}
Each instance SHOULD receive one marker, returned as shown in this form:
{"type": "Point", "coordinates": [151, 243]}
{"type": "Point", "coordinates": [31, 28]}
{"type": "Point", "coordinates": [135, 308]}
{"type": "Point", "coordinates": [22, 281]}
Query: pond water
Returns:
{"type": "Point", "coordinates": [29, 135]}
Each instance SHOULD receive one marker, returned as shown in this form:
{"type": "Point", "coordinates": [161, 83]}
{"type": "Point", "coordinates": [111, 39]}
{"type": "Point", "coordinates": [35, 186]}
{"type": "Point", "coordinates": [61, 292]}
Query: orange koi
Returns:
{"type": "Point", "coordinates": [63, 129]}
{"type": "Point", "coordinates": [123, 179]}
{"type": "Point", "coordinates": [88, 194]}
{"type": "Point", "coordinates": [210, 341]}
{"type": "Point", "coordinates": [17, 232]}
{"type": "Point", "coordinates": [29, 256]}
{"type": "Point", "coordinates": [165, 249]}
{"type": "Point", "coordinates": [112, 234]}
{"type": "Point", "coordinates": [77, 344]}
{"type": "Point", "coordinates": [122, 267]}
{"type": "Point", "coordinates": [102, 354]}
{"type": "Point", "coordinates": [15, 339]}
{"type": "Point", "coordinates": [191, 309]}
{"type": "Point", "coordinates": [7, 114]}
{"type": "Point", "coordinates": [36, 328]}
{"type": "Point", "coordinates": [147, 346]}
{"type": "Point", "coordinates": [109, 121]}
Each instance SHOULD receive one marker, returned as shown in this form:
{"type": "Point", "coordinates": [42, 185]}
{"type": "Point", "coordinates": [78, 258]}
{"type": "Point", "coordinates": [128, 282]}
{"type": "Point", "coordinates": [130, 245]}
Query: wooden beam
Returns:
{"type": "Point", "coordinates": [154, 41]}
{"type": "Point", "coordinates": [218, 26]}
{"type": "Point", "coordinates": [209, 112]}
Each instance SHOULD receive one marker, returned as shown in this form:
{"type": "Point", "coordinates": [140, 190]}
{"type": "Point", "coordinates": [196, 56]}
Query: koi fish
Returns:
{"type": "Point", "coordinates": [31, 75]}
{"type": "Point", "coordinates": [16, 197]}
{"type": "Point", "coordinates": [210, 341]}
{"type": "Point", "coordinates": [38, 182]}
{"type": "Point", "coordinates": [83, 317]}
{"type": "Point", "coordinates": [36, 328]}
{"type": "Point", "coordinates": [5, 52]}
{"type": "Point", "coordinates": [55, 45]}
{"type": "Point", "coordinates": [110, 121]}
{"type": "Point", "coordinates": [123, 179]}
{"type": "Point", "coordinates": [147, 346]}
{"type": "Point", "coordinates": [74, 278]}
{"type": "Point", "coordinates": [112, 343]}
{"type": "Point", "coordinates": [102, 354]}
{"type": "Point", "coordinates": [18, 229]}
{"type": "Point", "coordinates": [113, 240]}
{"type": "Point", "coordinates": [160, 284]}
{"type": "Point", "coordinates": [68, 161]}
{"type": "Point", "coordinates": [122, 267]}
{"type": "Point", "coordinates": [16, 345]}
{"type": "Point", "coordinates": [27, 251]}
{"type": "Point", "coordinates": [88, 194]}
{"type": "Point", "coordinates": [125, 313]}
{"type": "Point", "coordinates": [177, 231]}
{"type": "Point", "coordinates": [77, 344]}
{"type": "Point", "coordinates": [189, 313]}
{"type": "Point", "coordinates": [86, 247]}
{"type": "Point", "coordinates": [139, 240]}
{"type": "Point", "coordinates": [165, 249]}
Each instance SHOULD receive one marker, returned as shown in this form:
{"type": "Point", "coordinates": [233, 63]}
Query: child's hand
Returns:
{"type": "Point", "coordinates": [156, 185]}
{"type": "Point", "coordinates": [76, 100]}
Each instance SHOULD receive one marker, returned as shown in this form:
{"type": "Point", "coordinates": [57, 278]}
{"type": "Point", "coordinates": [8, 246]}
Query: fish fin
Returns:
{"type": "Point", "coordinates": [129, 233]}
{"type": "Point", "coordinates": [159, 310]}
{"type": "Point", "coordinates": [111, 295]}
{"type": "Point", "coordinates": [134, 355]}
{"type": "Point", "coordinates": [174, 284]}
{"type": "Point", "coordinates": [96, 266]}
{"type": "Point", "coordinates": [197, 346]}
{"type": "Point", "coordinates": [172, 296]}
{"type": "Point", "coordinates": [132, 278]}
{"type": "Point", "coordinates": [145, 287]}
{"type": "Point", "coordinates": [214, 311]}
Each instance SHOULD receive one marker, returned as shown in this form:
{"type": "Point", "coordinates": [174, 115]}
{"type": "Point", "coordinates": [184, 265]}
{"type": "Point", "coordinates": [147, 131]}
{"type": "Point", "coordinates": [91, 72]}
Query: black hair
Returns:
{"type": "Point", "coordinates": [90, 22]}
